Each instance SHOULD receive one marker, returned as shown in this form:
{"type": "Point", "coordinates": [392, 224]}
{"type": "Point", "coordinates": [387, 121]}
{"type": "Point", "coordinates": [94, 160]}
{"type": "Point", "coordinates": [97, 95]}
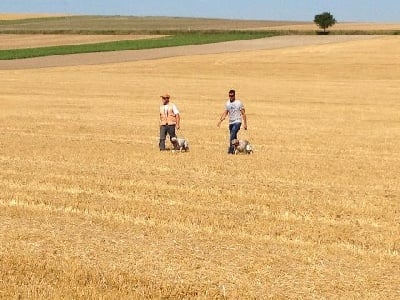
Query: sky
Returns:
{"type": "Point", "coordinates": [284, 10]}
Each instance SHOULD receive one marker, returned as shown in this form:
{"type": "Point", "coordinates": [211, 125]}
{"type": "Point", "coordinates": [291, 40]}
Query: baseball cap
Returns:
{"type": "Point", "coordinates": [165, 96]}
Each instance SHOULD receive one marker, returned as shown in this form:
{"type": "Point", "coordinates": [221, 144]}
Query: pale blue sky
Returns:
{"type": "Point", "coordinates": [289, 10]}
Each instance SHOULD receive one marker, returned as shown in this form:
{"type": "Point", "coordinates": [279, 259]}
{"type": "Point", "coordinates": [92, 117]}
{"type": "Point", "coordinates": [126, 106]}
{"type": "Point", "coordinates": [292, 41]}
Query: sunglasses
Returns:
{"type": "Point", "coordinates": [165, 97]}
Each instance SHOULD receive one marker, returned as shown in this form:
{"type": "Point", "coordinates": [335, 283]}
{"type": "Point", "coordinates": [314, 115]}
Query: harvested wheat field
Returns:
{"type": "Point", "coordinates": [89, 208]}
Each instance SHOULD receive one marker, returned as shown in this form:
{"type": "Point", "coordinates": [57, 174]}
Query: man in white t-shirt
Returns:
{"type": "Point", "coordinates": [237, 115]}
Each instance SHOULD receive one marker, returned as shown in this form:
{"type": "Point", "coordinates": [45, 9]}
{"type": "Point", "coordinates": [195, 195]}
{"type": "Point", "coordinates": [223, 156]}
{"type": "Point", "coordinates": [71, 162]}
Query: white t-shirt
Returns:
{"type": "Point", "coordinates": [234, 108]}
{"type": "Point", "coordinates": [174, 108]}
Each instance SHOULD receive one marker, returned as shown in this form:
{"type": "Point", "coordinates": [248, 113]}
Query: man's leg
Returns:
{"type": "Point", "coordinates": [172, 134]}
{"type": "Point", "coordinates": [163, 136]}
{"type": "Point", "coordinates": [233, 131]}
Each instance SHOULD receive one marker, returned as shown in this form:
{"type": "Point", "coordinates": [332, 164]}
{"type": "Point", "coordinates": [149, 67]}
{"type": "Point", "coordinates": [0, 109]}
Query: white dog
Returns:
{"type": "Point", "coordinates": [242, 146]}
{"type": "Point", "coordinates": [180, 144]}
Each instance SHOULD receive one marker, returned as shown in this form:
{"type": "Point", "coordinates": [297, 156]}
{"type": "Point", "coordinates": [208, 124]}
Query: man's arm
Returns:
{"type": "Point", "coordinates": [177, 116]}
{"type": "Point", "coordinates": [244, 118]}
{"type": "Point", "coordinates": [223, 116]}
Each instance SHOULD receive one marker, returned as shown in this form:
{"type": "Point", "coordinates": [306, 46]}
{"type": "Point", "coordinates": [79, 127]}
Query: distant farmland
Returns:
{"type": "Point", "coordinates": [132, 24]}
{"type": "Point", "coordinates": [61, 35]}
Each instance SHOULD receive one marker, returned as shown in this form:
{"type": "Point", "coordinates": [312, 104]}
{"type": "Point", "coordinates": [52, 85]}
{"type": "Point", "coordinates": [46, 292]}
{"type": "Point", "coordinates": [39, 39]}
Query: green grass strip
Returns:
{"type": "Point", "coordinates": [169, 41]}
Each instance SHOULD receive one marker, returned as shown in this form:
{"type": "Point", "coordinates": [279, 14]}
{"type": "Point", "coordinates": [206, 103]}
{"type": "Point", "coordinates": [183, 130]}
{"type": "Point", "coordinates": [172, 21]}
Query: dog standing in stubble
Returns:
{"type": "Point", "coordinates": [242, 146]}
{"type": "Point", "coordinates": [180, 144]}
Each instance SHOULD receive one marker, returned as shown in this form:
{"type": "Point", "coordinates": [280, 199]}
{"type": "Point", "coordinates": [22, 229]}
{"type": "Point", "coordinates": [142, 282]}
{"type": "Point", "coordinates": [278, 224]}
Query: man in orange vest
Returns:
{"type": "Point", "coordinates": [169, 121]}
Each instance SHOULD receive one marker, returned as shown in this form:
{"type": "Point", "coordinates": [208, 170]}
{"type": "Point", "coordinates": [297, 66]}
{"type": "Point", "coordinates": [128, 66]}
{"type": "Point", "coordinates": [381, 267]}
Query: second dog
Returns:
{"type": "Point", "coordinates": [242, 146]}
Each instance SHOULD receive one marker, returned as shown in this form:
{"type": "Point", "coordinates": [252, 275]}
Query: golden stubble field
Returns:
{"type": "Point", "coordinates": [89, 208]}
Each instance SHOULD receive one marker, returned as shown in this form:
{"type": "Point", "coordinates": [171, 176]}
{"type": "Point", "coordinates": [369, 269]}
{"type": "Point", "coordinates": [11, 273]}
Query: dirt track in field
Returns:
{"type": "Point", "coordinates": [135, 55]}
{"type": "Point", "coordinates": [18, 41]}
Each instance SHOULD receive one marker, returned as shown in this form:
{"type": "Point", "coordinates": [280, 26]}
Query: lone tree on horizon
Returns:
{"type": "Point", "coordinates": [324, 20]}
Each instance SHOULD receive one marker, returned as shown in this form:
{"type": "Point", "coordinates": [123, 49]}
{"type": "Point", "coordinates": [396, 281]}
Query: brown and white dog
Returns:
{"type": "Point", "coordinates": [242, 146]}
{"type": "Point", "coordinates": [180, 144]}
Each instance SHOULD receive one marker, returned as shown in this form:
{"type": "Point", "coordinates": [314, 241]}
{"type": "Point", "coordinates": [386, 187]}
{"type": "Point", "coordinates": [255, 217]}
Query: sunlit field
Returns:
{"type": "Point", "coordinates": [90, 208]}
{"type": "Point", "coordinates": [19, 16]}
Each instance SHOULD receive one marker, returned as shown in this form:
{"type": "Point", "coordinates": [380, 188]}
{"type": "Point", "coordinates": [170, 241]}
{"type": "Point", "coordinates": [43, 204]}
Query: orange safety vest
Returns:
{"type": "Point", "coordinates": [167, 117]}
